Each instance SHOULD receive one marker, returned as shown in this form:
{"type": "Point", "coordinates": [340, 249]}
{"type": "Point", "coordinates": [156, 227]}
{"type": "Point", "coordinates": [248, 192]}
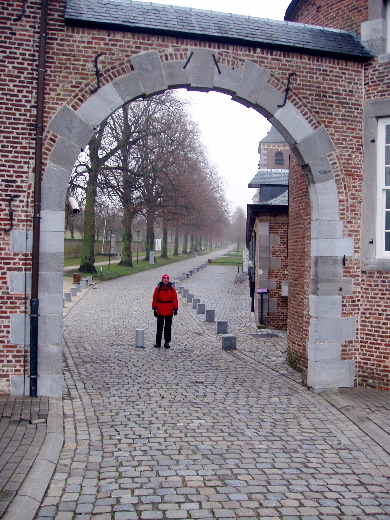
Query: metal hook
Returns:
{"type": "Point", "coordinates": [20, 16]}
{"type": "Point", "coordinates": [287, 89]}
{"type": "Point", "coordinates": [97, 72]}
{"type": "Point", "coordinates": [10, 212]}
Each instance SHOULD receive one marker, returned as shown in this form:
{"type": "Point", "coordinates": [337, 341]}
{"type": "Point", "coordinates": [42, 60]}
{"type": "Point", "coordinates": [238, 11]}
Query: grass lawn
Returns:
{"type": "Point", "coordinates": [105, 272]}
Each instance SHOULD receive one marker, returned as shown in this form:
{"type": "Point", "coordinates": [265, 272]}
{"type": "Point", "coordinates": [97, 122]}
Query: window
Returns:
{"type": "Point", "coordinates": [387, 5]}
{"type": "Point", "coordinates": [279, 158]}
{"type": "Point", "coordinates": [383, 183]}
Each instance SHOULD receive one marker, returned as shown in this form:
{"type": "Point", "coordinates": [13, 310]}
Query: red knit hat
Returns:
{"type": "Point", "coordinates": [165, 276]}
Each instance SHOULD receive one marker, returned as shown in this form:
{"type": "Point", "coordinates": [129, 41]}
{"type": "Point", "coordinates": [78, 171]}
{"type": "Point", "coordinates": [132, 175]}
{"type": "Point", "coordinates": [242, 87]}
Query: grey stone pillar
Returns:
{"type": "Point", "coordinates": [229, 342]}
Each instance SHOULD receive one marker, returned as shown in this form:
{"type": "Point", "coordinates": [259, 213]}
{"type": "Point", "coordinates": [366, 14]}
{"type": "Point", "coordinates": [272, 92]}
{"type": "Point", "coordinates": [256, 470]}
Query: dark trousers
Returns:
{"type": "Point", "coordinates": [164, 323]}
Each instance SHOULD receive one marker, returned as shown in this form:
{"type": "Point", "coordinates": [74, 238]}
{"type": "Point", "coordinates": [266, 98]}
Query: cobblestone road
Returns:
{"type": "Point", "coordinates": [195, 432]}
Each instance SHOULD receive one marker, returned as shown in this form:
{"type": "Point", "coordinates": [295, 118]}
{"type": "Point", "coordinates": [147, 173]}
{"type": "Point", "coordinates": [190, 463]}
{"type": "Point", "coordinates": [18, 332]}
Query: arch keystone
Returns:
{"type": "Point", "coordinates": [202, 67]}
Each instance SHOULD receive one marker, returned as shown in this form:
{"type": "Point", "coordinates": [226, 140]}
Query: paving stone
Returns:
{"type": "Point", "coordinates": [193, 431]}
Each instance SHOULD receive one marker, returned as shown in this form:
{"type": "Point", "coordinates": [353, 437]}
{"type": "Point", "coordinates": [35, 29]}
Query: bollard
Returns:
{"type": "Point", "coordinates": [195, 302]}
{"type": "Point", "coordinates": [222, 327]}
{"type": "Point", "coordinates": [185, 292]}
{"type": "Point", "coordinates": [181, 289]}
{"type": "Point", "coordinates": [189, 297]}
{"type": "Point", "coordinates": [83, 283]}
{"type": "Point", "coordinates": [201, 309]}
{"type": "Point", "coordinates": [139, 337]}
{"type": "Point", "coordinates": [79, 288]}
{"type": "Point", "coordinates": [67, 297]}
{"type": "Point", "coordinates": [73, 291]}
{"type": "Point", "coordinates": [210, 315]}
{"type": "Point", "coordinates": [229, 342]}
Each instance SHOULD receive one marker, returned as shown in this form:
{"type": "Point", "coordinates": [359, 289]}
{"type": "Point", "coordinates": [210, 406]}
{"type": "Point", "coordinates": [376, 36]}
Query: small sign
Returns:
{"type": "Point", "coordinates": [262, 291]}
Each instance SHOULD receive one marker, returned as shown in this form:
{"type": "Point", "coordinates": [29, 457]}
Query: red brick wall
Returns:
{"type": "Point", "coordinates": [299, 268]}
{"type": "Point", "coordinates": [338, 14]}
{"type": "Point", "coordinates": [17, 72]}
{"type": "Point", "coordinates": [373, 368]}
{"type": "Point", "coordinates": [278, 227]}
{"type": "Point", "coordinates": [326, 91]}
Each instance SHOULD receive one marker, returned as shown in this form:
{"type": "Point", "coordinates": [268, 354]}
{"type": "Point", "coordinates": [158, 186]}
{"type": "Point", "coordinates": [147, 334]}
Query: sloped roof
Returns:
{"type": "Point", "coordinates": [273, 136]}
{"type": "Point", "coordinates": [128, 15]}
{"type": "Point", "coordinates": [281, 200]}
{"type": "Point", "coordinates": [269, 177]}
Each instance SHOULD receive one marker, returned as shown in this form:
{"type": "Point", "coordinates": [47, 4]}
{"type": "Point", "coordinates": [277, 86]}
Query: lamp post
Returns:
{"type": "Point", "coordinates": [137, 231]}
{"type": "Point", "coordinates": [109, 251]}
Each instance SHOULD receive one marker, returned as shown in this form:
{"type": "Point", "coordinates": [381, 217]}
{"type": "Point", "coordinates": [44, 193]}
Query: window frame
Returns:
{"type": "Point", "coordinates": [383, 190]}
{"type": "Point", "coordinates": [279, 158]}
{"type": "Point", "coordinates": [387, 11]}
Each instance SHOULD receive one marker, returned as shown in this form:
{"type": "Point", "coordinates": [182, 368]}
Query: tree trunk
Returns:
{"type": "Point", "coordinates": [185, 244]}
{"type": "Point", "coordinates": [164, 244]}
{"type": "Point", "coordinates": [176, 246]}
{"type": "Point", "coordinates": [127, 255]}
{"type": "Point", "coordinates": [149, 234]}
{"type": "Point", "coordinates": [87, 261]}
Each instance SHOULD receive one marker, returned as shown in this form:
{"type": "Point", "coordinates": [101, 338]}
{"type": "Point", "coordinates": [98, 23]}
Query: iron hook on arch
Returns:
{"type": "Point", "coordinates": [287, 89]}
{"type": "Point", "coordinates": [97, 72]}
{"type": "Point", "coordinates": [11, 213]}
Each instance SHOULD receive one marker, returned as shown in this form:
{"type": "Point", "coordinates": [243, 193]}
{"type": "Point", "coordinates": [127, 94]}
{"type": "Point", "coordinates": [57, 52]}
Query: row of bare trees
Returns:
{"type": "Point", "coordinates": [146, 162]}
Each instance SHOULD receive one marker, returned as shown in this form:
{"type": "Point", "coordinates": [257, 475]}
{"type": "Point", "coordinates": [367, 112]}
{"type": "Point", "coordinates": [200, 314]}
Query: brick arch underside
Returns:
{"type": "Point", "coordinates": [312, 148]}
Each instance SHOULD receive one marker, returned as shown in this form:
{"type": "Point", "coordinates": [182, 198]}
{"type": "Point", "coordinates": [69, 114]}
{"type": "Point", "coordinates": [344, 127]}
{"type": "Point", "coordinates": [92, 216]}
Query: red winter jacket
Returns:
{"type": "Point", "coordinates": [165, 299]}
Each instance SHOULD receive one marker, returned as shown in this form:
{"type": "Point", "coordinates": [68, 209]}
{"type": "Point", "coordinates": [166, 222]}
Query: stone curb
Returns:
{"type": "Point", "coordinates": [375, 432]}
{"type": "Point", "coordinates": [30, 494]}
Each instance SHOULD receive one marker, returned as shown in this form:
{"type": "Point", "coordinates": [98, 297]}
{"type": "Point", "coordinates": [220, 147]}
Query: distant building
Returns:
{"type": "Point", "coordinates": [267, 233]}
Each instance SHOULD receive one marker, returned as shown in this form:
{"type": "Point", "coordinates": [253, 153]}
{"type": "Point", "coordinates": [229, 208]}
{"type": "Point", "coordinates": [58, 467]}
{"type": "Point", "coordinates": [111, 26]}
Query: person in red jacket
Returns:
{"type": "Point", "coordinates": [164, 305]}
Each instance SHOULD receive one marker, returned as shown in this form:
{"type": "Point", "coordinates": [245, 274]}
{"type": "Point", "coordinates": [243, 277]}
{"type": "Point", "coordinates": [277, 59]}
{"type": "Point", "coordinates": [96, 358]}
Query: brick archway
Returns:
{"type": "Point", "coordinates": [311, 146]}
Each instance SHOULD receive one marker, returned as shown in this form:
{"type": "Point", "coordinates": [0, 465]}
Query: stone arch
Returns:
{"type": "Point", "coordinates": [311, 146]}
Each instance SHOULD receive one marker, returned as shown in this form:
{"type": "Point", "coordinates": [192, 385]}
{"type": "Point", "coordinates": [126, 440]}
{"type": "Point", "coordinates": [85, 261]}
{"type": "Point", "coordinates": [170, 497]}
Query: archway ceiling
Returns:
{"type": "Point", "coordinates": [213, 26]}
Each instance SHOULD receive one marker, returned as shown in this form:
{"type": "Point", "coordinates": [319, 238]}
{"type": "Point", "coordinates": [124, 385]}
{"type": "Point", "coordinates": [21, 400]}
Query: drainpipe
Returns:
{"type": "Point", "coordinates": [34, 301]}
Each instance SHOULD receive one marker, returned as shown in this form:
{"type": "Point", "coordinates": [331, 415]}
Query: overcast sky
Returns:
{"type": "Point", "coordinates": [231, 131]}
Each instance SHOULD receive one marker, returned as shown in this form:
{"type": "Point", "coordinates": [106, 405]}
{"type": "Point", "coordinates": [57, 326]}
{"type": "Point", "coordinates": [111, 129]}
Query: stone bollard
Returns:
{"type": "Point", "coordinates": [222, 327]}
{"type": "Point", "coordinates": [210, 315]}
{"type": "Point", "coordinates": [67, 297]}
{"type": "Point", "coordinates": [181, 289]}
{"type": "Point", "coordinates": [185, 292]}
{"type": "Point", "coordinates": [73, 291]}
{"type": "Point", "coordinates": [195, 302]}
{"type": "Point", "coordinates": [79, 288]}
{"type": "Point", "coordinates": [83, 283]}
{"type": "Point", "coordinates": [229, 342]}
{"type": "Point", "coordinates": [201, 308]}
{"type": "Point", "coordinates": [189, 297]}
{"type": "Point", "coordinates": [139, 337]}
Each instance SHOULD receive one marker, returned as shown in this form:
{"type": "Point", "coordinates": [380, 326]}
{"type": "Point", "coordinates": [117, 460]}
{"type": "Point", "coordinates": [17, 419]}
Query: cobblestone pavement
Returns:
{"type": "Point", "coordinates": [195, 432]}
{"type": "Point", "coordinates": [22, 433]}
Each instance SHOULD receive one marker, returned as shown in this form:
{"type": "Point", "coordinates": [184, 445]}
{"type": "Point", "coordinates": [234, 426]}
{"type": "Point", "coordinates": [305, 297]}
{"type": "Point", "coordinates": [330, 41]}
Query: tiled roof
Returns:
{"type": "Point", "coordinates": [281, 200]}
{"type": "Point", "coordinates": [137, 16]}
{"type": "Point", "coordinates": [273, 136]}
{"type": "Point", "coordinates": [272, 177]}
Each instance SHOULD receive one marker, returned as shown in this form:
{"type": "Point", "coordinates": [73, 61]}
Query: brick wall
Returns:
{"type": "Point", "coordinates": [338, 14]}
{"type": "Point", "coordinates": [370, 301]}
{"type": "Point", "coordinates": [326, 91]}
{"type": "Point", "coordinates": [278, 228]}
{"type": "Point", "coordinates": [18, 72]}
{"type": "Point", "coordinates": [299, 268]}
